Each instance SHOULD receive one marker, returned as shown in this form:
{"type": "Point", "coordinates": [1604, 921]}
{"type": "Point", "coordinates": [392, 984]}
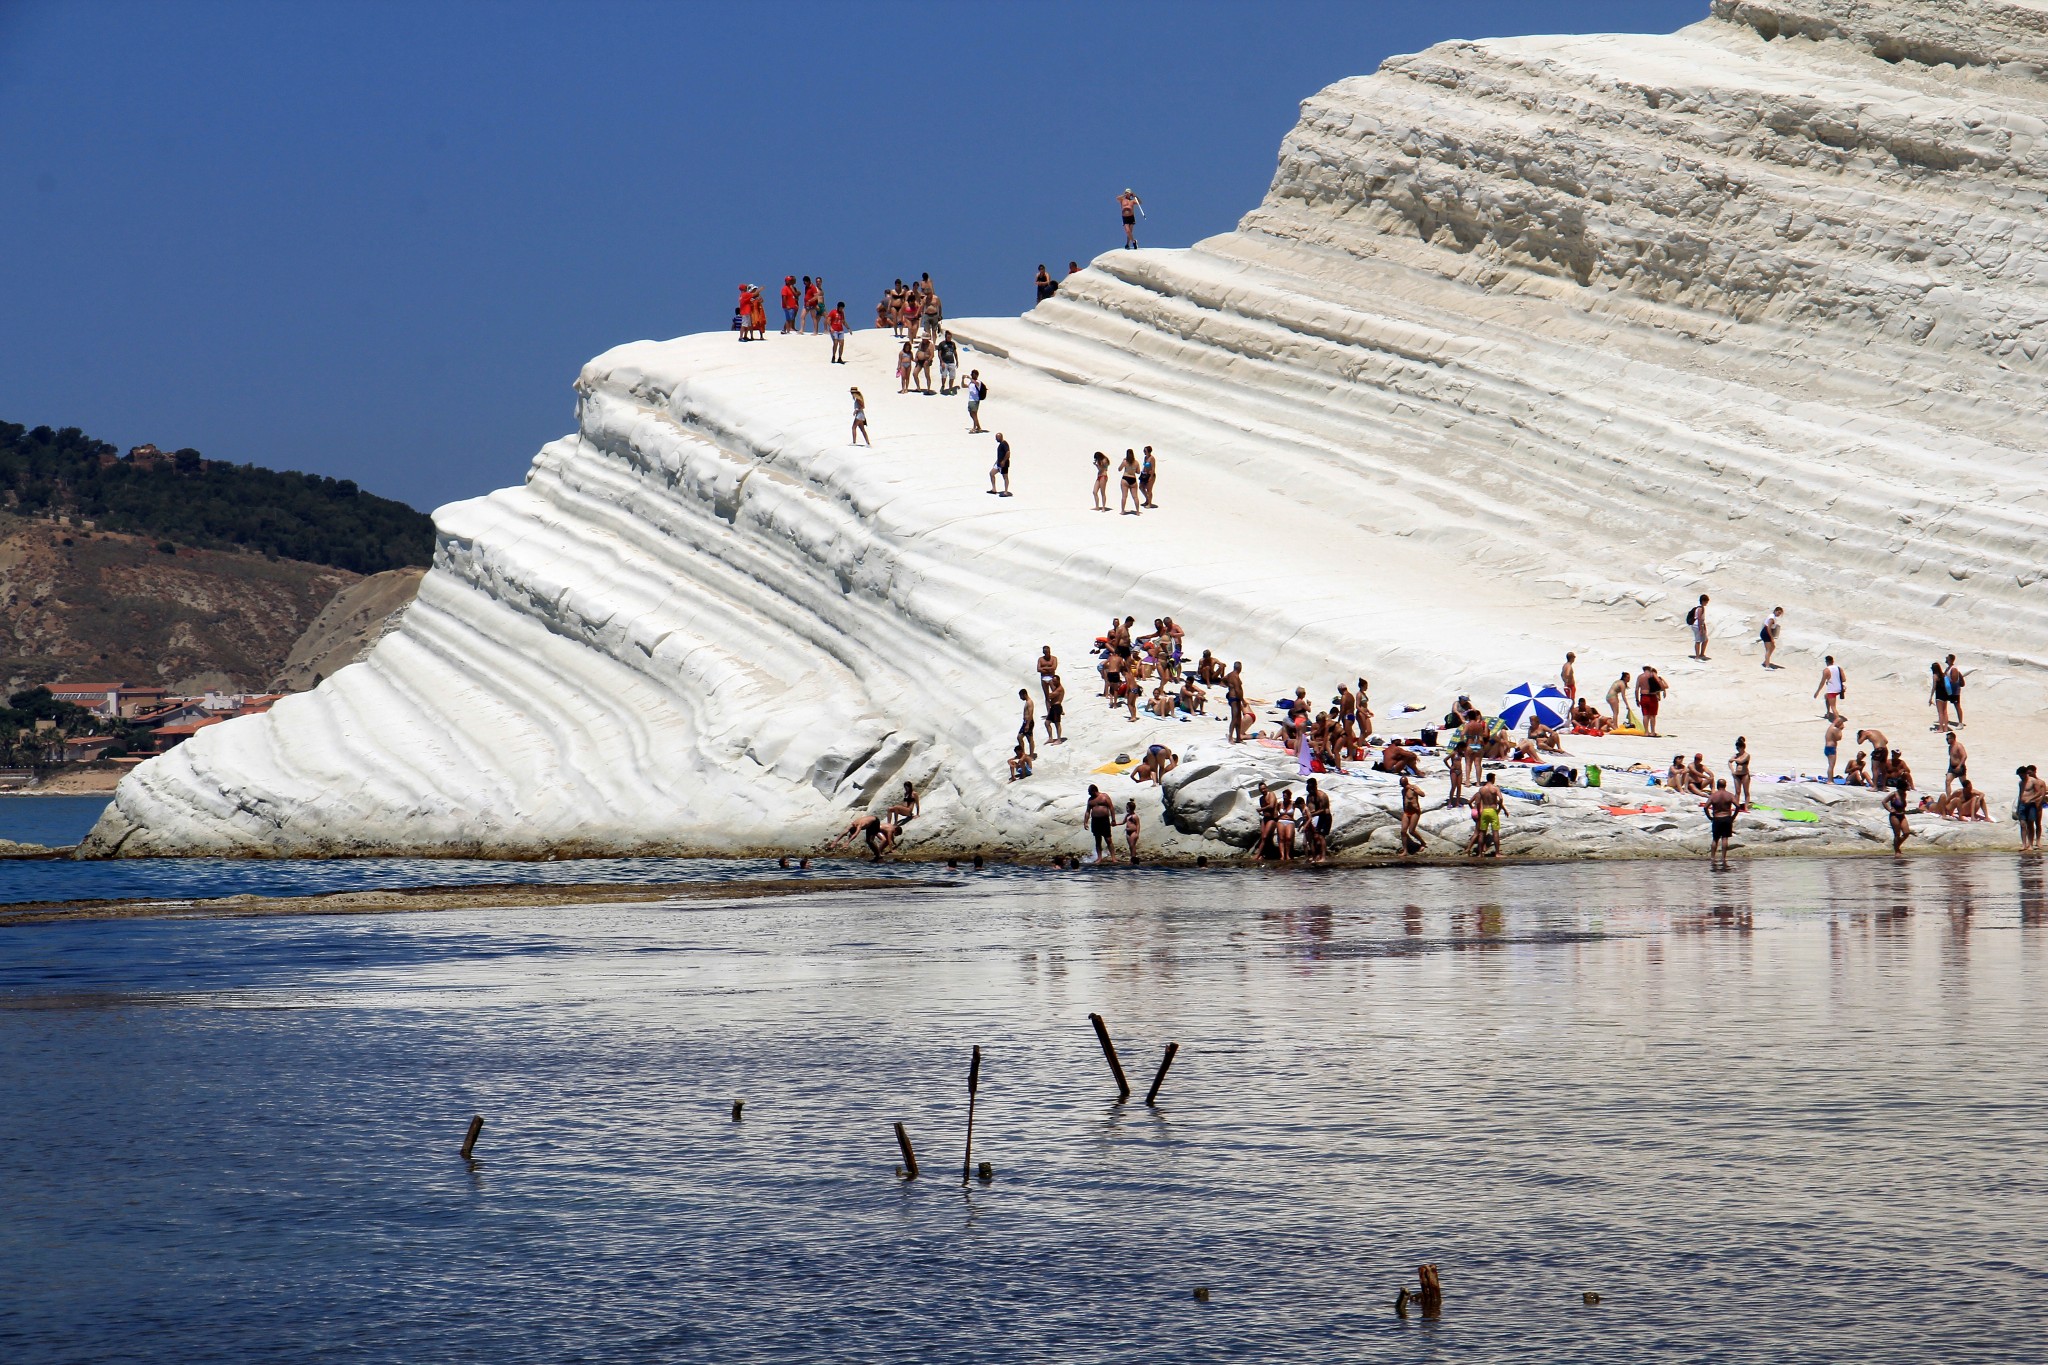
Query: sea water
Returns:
{"type": "Point", "coordinates": [1796, 1111]}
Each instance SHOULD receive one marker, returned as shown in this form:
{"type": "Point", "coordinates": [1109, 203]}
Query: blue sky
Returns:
{"type": "Point", "coordinates": [377, 240]}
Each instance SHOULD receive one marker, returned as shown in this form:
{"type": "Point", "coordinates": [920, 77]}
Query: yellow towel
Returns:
{"type": "Point", "coordinates": [1114, 768]}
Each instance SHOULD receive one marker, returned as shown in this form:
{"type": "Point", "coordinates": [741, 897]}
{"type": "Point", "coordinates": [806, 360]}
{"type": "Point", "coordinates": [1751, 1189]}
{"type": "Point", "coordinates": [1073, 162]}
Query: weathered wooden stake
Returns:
{"type": "Point", "coordinates": [476, 1128]}
{"type": "Point", "coordinates": [973, 1084]}
{"type": "Point", "coordinates": [1123, 1087]}
{"type": "Point", "coordinates": [1432, 1291]}
{"type": "Point", "coordinates": [1164, 1062]}
{"type": "Point", "coordinates": [909, 1157]}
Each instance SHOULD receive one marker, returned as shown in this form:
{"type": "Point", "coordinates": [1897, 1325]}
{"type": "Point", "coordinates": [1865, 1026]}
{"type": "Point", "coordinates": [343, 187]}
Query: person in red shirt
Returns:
{"type": "Point", "coordinates": [835, 323]}
{"type": "Point", "coordinates": [814, 310]}
{"type": "Point", "coordinates": [789, 298]}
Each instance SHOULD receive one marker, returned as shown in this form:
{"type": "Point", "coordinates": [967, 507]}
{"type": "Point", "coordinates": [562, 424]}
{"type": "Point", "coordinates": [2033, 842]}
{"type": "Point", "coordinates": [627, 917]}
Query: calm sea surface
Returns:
{"type": "Point", "coordinates": [1793, 1112]}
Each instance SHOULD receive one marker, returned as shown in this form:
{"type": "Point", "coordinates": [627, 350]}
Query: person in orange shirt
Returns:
{"type": "Point", "coordinates": [789, 298]}
{"type": "Point", "coordinates": [814, 308]}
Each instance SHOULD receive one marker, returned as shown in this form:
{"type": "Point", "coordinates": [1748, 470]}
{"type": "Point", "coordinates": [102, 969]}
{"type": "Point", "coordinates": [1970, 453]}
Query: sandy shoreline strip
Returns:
{"type": "Point", "coordinates": [412, 899]}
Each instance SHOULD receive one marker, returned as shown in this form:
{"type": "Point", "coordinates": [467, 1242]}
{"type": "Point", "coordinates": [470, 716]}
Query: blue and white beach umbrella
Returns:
{"type": "Point", "coordinates": [1546, 704]}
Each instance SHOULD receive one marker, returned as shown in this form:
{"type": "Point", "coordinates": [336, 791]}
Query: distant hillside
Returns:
{"type": "Point", "coordinates": [184, 498]}
{"type": "Point", "coordinates": [94, 606]}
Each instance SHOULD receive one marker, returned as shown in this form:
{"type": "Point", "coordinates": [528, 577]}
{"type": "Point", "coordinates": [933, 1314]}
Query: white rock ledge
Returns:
{"type": "Point", "coordinates": [1530, 342]}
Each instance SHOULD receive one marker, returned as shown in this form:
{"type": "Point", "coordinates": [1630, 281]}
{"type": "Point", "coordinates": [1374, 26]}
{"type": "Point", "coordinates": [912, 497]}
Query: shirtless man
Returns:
{"type": "Point", "coordinates": [1831, 743]}
{"type": "Point", "coordinates": [1398, 758]}
{"type": "Point", "coordinates": [1491, 807]}
{"type": "Point", "coordinates": [1617, 698]}
{"type": "Point", "coordinates": [1895, 809]}
{"type": "Point", "coordinates": [1738, 772]}
{"type": "Point", "coordinates": [1568, 676]}
{"type": "Point", "coordinates": [1721, 806]}
{"type": "Point", "coordinates": [1856, 774]}
{"type": "Point", "coordinates": [1099, 819]}
{"type": "Point", "coordinates": [1964, 803]}
{"type": "Point", "coordinates": [1130, 206]}
{"type": "Point", "coordinates": [1055, 711]}
{"type": "Point", "coordinates": [1027, 732]}
{"type": "Point", "coordinates": [1048, 669]}
{"type": "Point", "coordinates": [1193, 699]}
{"type": "Point", "coordinates": [1233, 687]}
{"type": "Point", "coordinates": [1020, 763]}
{"type": "Point", "coordinates": [1319, 822]}
{"type": "Point", "coordinates": [1650, 690]}
{"type": "Point", "coordinates": [1545, 738]}
{"type": "Point", "coordinates": [2032, 792]}
{"type": "Point", "coordinates": [1830, 686]}
{"type": "Point", "coordinates": [1585, 716]}
{"type": "Point", "coordinates": [1702, 776]}
{"type": "Point", "coordinates": [1347, 703]}
{"type": "Point", "coordinates": [1958, 764]}
{"type": "Point", "coordinates": [1896, 773]}
{"type": "Point", "coordinates": [858, 828]}
{"type": "Point", "coordinates": [1209, 670]}
{"type": "Point", "coordinates": [1412, 841]}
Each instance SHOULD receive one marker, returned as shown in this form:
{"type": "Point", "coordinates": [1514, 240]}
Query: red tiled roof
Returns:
{"type": "Point", "coordinates": [189, 728]}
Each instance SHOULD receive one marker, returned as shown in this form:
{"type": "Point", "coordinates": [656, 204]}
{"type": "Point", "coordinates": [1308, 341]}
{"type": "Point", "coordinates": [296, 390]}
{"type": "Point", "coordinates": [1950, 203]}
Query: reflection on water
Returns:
{"type": "Point", "coordinates": [1792, 1111]}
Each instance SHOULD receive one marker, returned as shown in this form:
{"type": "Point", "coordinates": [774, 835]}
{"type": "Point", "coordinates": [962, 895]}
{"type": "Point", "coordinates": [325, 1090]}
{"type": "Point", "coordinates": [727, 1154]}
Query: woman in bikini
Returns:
{"type": "Point", "coordinates": [1101, 482]}
{"type": "Point", "coordinates": [905, 362]}
{"type": "Point", "coordinates": [1127, 500]}
{"type": "Point", "coordinates": [1738, 773]}
{"type": "Point", "coordinates": [860, 419]}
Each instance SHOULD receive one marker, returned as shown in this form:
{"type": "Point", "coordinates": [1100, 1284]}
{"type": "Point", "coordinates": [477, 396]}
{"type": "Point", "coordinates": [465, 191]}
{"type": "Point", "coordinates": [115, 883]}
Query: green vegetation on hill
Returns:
{"type": "Point", "coordinates": [184, 498]}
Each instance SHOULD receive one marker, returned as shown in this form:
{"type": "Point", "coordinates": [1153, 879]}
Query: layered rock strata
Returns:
{"type": "Point", "coordinates": [1531, 342]}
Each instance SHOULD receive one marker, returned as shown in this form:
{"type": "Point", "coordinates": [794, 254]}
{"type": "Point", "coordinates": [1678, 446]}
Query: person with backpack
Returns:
{"type": "Point", "coordinates": [1697, 619]}
{"type": "Point", "coordinates": [976, 391]}
{"type": "Point", "coordinates": [1834, 684]}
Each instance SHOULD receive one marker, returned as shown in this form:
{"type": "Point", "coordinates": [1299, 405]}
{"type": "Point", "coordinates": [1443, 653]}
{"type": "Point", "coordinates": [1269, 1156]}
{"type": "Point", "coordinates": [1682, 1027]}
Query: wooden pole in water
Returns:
{"type": "Point", "coordinates": [476, 1128]}
{"type": "Point", "coordinates": [1432, 1291]}
{"type": "Point", "coordinates": [973, 1084]}
{"type": "Point", "coordinates": [1164, 1062]}
{"type": "Point", "coordinates": [1123, 1087]}
{"type": "Point", "coordinates": [909, 1157]}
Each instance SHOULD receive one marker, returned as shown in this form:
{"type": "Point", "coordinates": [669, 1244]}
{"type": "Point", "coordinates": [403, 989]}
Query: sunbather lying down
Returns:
{"type": "Point", "coordinates": [1964, 803]}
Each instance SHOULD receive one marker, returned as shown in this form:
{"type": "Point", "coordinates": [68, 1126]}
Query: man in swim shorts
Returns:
{"type": "Point", "coordinates": [1027, 732]}
{"type": "Point", "coordinates": [1100, 820]}
{"type": "Point", "coordinates": [1055, 711]}
{"type": "Point", "coordinates": [1128, 204]}
{"type": "Point", "coordinates": [1958, 764]}
{"type": "Point", "coordinates": [1831, 742]}
{"type": "Point", "coordinates": [1720, 809]}
{"type": "Point", "coordinates": [1831, 686]}
{"type": "Point", "coordinates": [1489, 806]}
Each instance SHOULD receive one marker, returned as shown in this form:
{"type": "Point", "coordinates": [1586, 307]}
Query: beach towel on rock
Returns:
{"type": "Point", "coordinates": [1633, 810]}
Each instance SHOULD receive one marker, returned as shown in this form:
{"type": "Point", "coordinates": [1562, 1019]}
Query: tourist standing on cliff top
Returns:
{"type": "Point", "coordinates": [860, 419]}
{"type": "Point", "coordinates": [1131, 206]}
{"type": "Point", "coordinates": [835, 323]}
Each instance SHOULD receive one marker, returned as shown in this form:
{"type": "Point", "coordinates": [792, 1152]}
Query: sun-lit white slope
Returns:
{"type": "Point", "coordinates": [1530, 342]}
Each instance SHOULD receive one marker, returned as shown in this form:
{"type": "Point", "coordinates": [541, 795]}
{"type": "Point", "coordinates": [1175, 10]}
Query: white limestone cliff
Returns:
{"type": "Point", "coordinates": [1530, 342]}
